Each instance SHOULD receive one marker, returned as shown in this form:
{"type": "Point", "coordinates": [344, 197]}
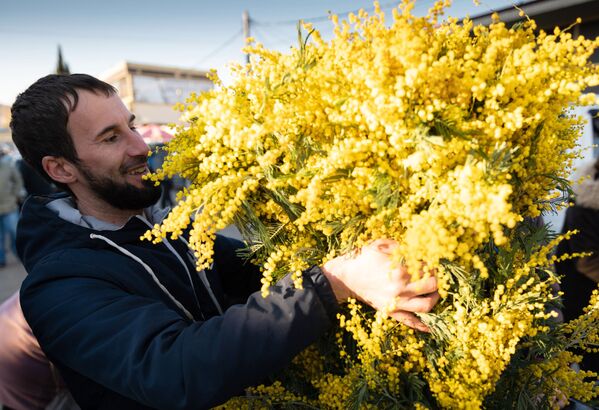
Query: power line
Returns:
{"type": "Point", "coordinates": [419, 5]}
{"type": "Point", "coordinates": [320, 18]}
{"type": "Point", "coordinates": [221, 47]}
{"type": "Point", "coordinates": [247, 21]}
{"type": "Point", "coordinates": [269, 38]}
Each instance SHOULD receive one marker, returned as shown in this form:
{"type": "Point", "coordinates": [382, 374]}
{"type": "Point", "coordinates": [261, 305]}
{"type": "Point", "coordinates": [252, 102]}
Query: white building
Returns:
{"type": "Point", "coordinates": [151, 91]}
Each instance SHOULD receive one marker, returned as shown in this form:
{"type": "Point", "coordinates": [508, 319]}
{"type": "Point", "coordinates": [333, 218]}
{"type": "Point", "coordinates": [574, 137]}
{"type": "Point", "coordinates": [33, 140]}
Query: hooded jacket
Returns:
{"type": "Point", "coordinates": [132, 325]}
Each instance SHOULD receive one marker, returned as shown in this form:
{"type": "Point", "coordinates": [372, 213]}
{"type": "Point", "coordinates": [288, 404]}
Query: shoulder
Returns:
{"type": "Point", "coordinates": [78, 258]}
{"type": "Point", "coordinates": [77, 263]}
{"type": "Point", "coordinates": [72, 278]}
{"type": "Point", "coordinates": [581, 216]}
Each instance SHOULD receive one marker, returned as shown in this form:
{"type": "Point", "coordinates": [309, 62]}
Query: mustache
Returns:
{"type": "Point", "coordinates": [134, 162]}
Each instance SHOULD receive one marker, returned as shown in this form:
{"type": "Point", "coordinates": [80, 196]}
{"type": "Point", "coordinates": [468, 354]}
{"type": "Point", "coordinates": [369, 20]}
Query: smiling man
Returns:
{"type": "Point", "coordinates": [106, 177]}
{"type": "Point", "coordinates": [131, 324]}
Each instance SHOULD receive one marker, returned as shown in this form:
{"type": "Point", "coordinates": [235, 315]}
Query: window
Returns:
{"type": "Point", "coordinates": [166, 90]}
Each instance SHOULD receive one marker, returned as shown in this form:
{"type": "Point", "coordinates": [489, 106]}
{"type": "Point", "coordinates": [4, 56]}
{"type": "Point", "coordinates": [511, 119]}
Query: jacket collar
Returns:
{"type": "Point", "coordinates": [66, 209]}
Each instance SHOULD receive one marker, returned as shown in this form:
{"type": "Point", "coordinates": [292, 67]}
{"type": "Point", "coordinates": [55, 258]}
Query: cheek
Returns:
{"type": "Point", "coordinates": [107, 165]}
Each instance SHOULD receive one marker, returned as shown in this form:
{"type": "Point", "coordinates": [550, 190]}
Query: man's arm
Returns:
{"type": "Point", "coordinates": [370, 278]}
{"type": "Point", "coordinates": [140, 348]}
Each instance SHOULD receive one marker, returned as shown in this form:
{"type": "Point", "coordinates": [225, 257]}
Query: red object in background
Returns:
{"type": "Point", "coordinates": [155, 134]}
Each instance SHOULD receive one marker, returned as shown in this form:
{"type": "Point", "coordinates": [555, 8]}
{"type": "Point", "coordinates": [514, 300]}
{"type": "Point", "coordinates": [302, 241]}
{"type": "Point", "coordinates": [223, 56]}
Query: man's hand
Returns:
{"type": "Point", "coordinates": [371, 277]}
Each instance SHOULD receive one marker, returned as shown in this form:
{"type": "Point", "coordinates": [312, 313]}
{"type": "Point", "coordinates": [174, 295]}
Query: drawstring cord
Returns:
{"type": "Point", "coordinates": [173, 251]}
{"type": "Point", "coordinates": [201, 274]}
{"type": "Point", "coordinates": [204, 279]}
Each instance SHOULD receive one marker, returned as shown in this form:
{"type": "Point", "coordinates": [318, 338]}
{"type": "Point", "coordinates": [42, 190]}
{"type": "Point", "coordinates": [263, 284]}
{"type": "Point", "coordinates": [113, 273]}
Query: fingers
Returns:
{"type": "Point", "coordinates": [406, 306]}
{"type": "Point", "coordinates": [410, 320]}
{"type": "Point", "coordinates": [419, 296]}
{"type": "Point", "coordinates": [420, 287]}
{"type": "Point", "coordinates": [385, 246]}
{"type": "Point", "coordinates": [374, 276]}
{"type": "Point", "coordinates": [421, 304]}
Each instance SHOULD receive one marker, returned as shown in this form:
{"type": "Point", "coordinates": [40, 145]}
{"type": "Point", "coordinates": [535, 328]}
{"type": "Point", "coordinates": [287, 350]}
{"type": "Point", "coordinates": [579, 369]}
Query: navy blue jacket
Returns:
{"type": "Point", "coordinates": [129, 328]}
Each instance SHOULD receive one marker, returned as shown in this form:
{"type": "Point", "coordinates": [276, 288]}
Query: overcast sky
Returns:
{"type": "Point", "coordinates": [202, 34]}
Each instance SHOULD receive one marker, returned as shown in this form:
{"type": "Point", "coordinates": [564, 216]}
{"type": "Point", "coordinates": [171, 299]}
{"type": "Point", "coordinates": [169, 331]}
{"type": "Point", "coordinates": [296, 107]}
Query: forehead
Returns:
{"type": "Point", "coordinates": [95, 112]}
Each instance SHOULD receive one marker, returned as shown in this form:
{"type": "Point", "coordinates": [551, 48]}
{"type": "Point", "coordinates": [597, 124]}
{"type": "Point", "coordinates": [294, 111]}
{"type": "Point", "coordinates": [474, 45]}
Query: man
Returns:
{"type": "Point", "coordinates": [130, 324]}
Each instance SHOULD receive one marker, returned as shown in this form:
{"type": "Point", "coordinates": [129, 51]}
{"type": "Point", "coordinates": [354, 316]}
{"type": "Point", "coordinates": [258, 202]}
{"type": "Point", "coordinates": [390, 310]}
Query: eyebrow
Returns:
{"type": "Point", "coordinates": [113, 126]}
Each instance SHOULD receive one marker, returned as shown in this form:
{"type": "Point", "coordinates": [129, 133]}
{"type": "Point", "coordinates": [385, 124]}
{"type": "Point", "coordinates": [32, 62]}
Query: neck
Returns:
{"type": "Point", "coordinates": [104, 211]}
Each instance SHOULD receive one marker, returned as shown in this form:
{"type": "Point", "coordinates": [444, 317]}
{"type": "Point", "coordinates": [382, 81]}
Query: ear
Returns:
{"type": "Point", "coordinates": [59, 169]}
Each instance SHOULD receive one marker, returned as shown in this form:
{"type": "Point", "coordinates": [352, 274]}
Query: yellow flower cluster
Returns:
{"type": "Point", "coordinates": [385, 349]}
{"type": "Point", "coordinates": [442, 135]}
{"type": "Point", "coordinates": [584, 330]}
{"type": "Point", "coordinates": [559, 381]}
{"type": "Point", "coordinates": [486, 337]}
{"type": "Point", "coordinates": [262, 398]}
{"type": "Point", "coordinates": [435, 113]}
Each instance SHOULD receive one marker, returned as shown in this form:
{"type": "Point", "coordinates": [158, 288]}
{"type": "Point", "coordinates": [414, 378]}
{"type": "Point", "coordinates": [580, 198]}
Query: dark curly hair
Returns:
{"type": "Point", "coordinates": [40, 116]}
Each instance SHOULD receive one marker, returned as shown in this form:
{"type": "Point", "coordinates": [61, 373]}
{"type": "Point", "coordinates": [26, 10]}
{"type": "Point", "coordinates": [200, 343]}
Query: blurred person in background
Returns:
{"type": "Point", "coordinates": [580, 275]}
{"type": "Point", "coordinates": [11, 188]}
{"type": "Point", "coordinates": [27, 379]}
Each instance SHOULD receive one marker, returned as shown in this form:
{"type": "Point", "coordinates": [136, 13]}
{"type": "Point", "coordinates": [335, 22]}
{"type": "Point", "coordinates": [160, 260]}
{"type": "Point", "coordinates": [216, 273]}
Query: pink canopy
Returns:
{"type": "Point", "coordinates": [155, 134]}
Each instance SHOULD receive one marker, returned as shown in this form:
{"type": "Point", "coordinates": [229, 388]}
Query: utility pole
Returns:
{"type": "Point", "coordinates": [245, 20]}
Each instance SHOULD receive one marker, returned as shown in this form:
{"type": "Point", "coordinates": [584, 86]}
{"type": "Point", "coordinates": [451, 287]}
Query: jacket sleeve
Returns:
{"type": "Point", "coordinates": [141, 349]}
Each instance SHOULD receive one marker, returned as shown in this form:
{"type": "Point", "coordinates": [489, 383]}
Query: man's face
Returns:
{"type": "Point", "coordinates": [113, 156]}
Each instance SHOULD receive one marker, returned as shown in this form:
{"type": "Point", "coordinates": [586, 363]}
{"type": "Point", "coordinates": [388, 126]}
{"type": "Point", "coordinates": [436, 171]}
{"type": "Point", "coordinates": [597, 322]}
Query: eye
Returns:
{"type": "Point", "coordinates": [112, 138]}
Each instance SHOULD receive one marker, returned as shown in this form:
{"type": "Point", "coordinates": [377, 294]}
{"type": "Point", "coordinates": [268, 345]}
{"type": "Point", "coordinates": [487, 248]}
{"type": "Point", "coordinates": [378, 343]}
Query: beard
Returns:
{"type": "Point", "coordinates": [122, 195]}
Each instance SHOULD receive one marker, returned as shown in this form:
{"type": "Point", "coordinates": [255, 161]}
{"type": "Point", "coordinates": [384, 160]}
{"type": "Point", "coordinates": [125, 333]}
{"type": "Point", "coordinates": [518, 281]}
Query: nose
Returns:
{"type": "Point", "coordinates": [137, 146]}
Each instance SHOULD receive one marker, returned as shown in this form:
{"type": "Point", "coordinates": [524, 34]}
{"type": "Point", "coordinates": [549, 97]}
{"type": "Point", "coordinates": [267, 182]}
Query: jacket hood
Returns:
{"type": "Point", "coordinates": [586, 193]}
{"type": "Point", "coordinates": [42, 231]}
